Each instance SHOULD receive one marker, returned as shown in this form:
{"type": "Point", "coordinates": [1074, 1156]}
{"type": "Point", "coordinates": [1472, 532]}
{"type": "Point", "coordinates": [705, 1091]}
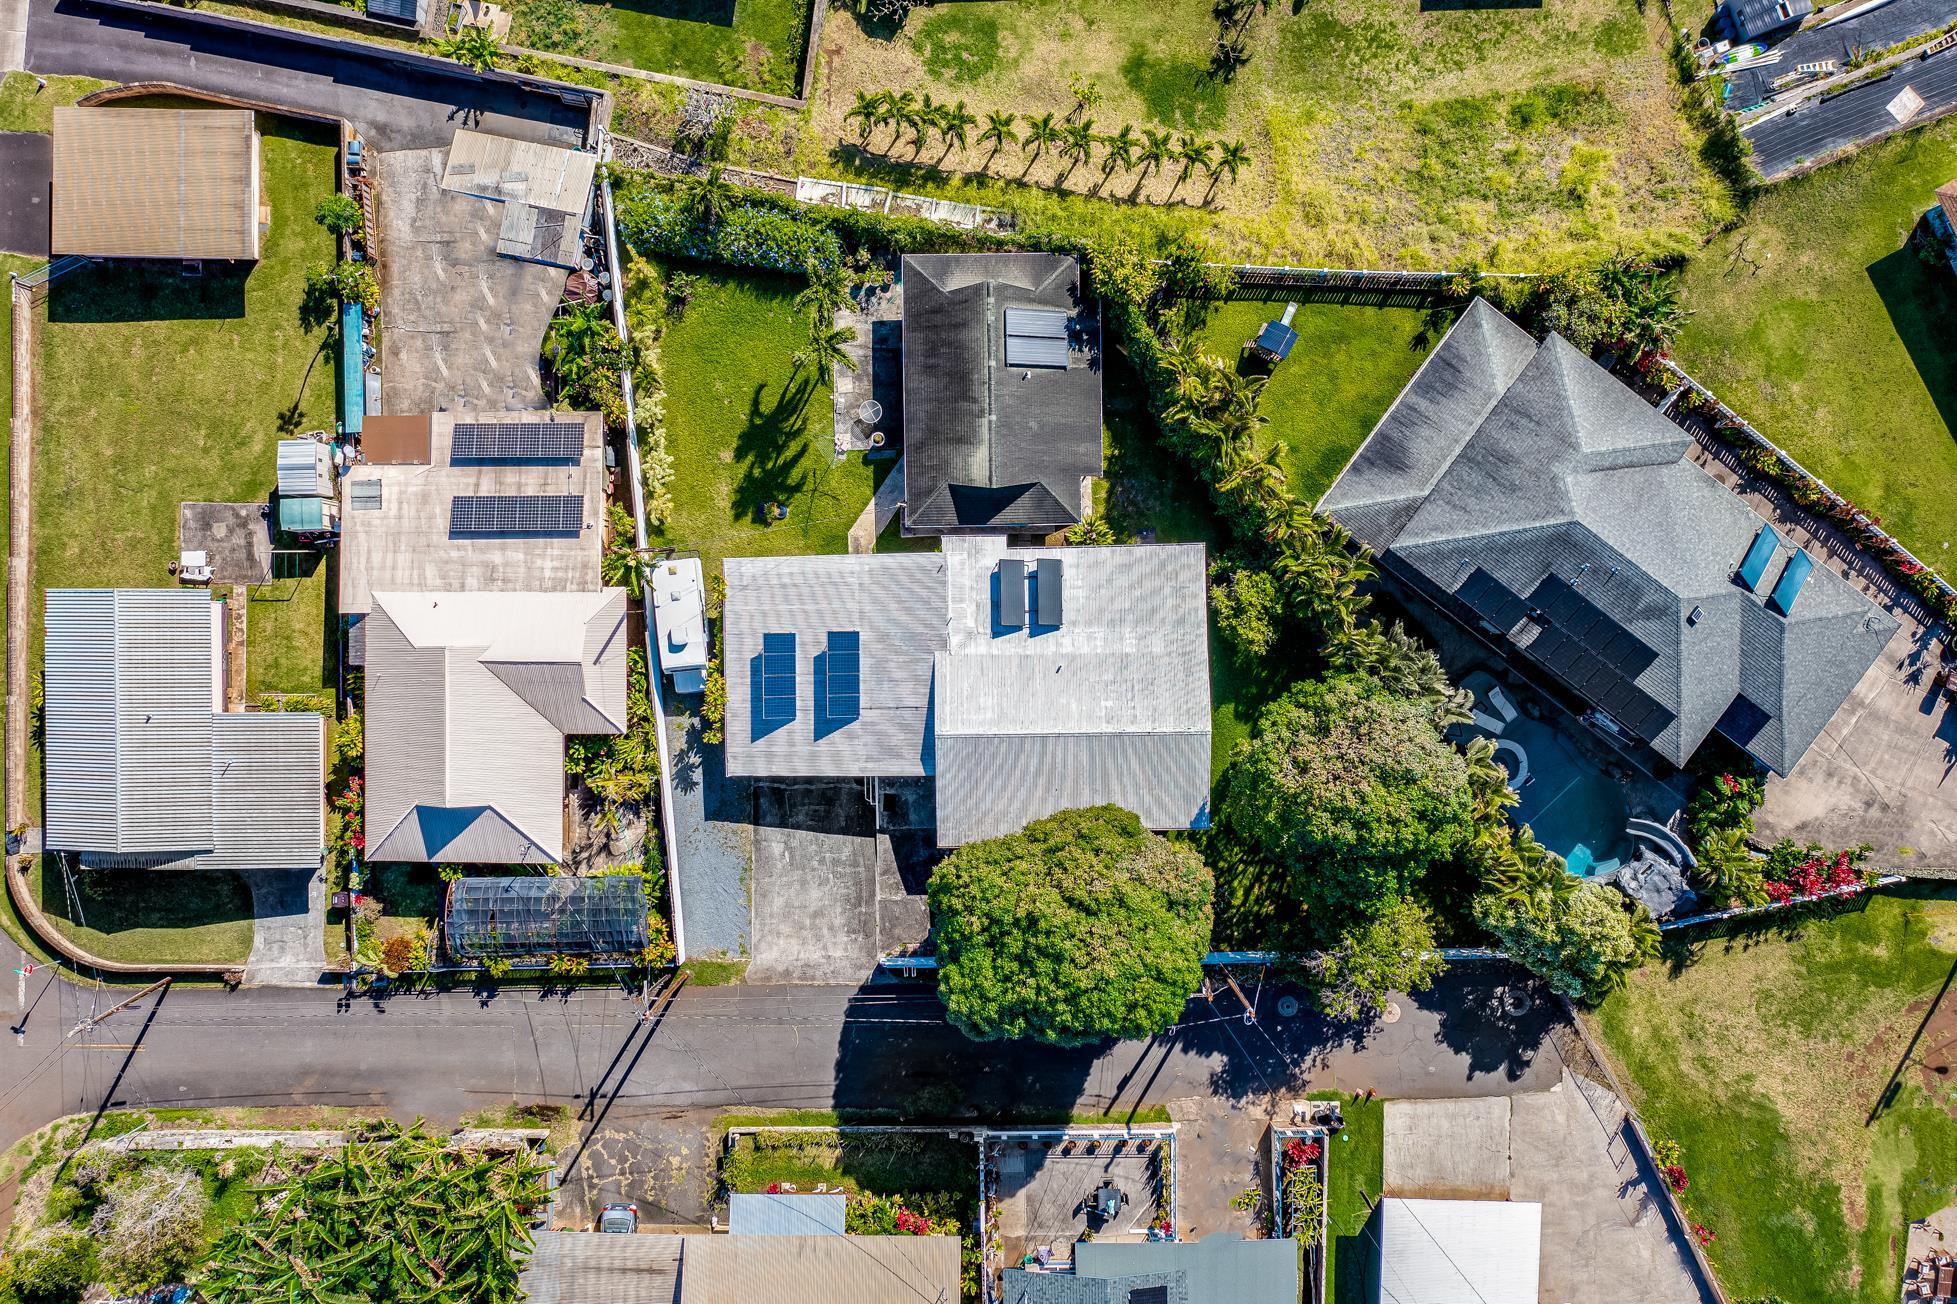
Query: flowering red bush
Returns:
{"type": "Point", "coordinates": [1813, 876]}
{"type": "Point", "coordinates": [774, 1188]}
{"type": "Point", "coordinates": [1675, 1177]}
{"type": "Point", "coordinates": [1299, 1153]}
{"type": "Point", "coordinates": [1703, 1234]}
{"type": "Point", "coordinates": [911, 1224]}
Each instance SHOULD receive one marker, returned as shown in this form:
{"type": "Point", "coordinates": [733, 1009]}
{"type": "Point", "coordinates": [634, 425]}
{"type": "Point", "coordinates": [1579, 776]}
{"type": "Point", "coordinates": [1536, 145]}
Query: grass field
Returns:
{"type": "Point", "coordinates": [149, 916]}
{"type": "Point", "coordinates": [1349, 364]}
{"type": "Point", "coordinates": [1382, 133]}
{"type": "Point", "coordinates": [1818, 325]}
{"type": "Point", "coordinates": [157, 389]}
{"type": "Point", "coordinates": [752, 43]}
{"type": "Point", "coordinates": [1767, 1058]}
{"type": "Point", "coordinates": [25, 107]}
{"type": "Point", "coordinates": [1357, 1158]}
{"type": "Point", "coordinates": [743, 432]}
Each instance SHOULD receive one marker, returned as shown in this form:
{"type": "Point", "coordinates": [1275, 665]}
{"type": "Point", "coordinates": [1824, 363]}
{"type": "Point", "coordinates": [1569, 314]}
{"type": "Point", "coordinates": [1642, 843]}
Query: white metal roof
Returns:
{"type": "Point", "coordinates": [679, 614]}
{"type": "Point", "coordinates": [1450, 1251]}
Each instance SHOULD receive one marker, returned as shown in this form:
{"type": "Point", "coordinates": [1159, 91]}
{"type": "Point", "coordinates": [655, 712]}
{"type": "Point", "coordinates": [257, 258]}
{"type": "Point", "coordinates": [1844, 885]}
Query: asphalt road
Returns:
{"type": "Point", "coordinates": [1812, 130]}
{"type": "Point", "coordinates": [441, 1056]}
{"type": "Point", "coordinates": [26, 166]}
{"type": "Point", "coordinates": [395, 106]}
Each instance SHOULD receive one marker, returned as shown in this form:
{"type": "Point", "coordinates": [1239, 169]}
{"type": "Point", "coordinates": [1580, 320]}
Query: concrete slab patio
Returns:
{"type": "Point", "coordinates": [1046, 1191]}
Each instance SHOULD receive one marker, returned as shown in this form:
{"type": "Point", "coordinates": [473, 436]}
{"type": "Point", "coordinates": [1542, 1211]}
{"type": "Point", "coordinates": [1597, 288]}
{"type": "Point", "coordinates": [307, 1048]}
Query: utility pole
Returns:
{"type": "Point", "coordinates": [93, 1019]}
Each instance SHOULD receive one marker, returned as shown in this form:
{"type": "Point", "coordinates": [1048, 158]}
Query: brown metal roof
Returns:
{"type": "Point", "coordinates": [156, 183]}
{"type": "Point", "coordinates": [1947, 196]}
{"type": "Point", "coordinates": [819, 1269]}
{"type": "Point", "coordinates": [395, 440]}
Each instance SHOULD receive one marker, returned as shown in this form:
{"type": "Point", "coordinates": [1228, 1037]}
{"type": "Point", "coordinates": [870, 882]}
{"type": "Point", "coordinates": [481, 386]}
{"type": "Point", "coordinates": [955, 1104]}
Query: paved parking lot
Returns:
{"type": "Point", "coordinates": [26, 167]}
{"type": "Point", "coordinates": [1047, 1193]}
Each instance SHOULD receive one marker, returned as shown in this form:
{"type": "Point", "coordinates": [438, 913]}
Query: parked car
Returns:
{"type": "Point", "coordinates": [622, 1218]}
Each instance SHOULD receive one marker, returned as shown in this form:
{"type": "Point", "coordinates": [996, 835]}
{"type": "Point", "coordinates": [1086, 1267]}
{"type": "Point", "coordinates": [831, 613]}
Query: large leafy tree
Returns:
{"type": "Point", "coordinates": [1584, 942]}
{"type": "Point", "coordinates": [1082, 926]}
{"type": "Point", "coordinates": [1351, 792]}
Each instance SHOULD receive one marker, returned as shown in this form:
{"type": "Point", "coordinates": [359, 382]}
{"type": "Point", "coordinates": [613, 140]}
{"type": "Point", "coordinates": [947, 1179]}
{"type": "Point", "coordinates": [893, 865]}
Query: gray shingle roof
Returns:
{"type": "Point", "coordinates": [1566, 478]}
{"type": "Point", "coordinates": [1022, 1287]}
{"type": "Point", "coordinates": [142, 769]}
{"type": "Point", "coordinates": [1111, 705]}
{"type": "Point", "coordinates": [987, 445]}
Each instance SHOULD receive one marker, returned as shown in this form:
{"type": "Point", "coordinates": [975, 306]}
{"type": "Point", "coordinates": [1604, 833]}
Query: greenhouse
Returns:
{"type": "Point", "coordinates": [537, 915]}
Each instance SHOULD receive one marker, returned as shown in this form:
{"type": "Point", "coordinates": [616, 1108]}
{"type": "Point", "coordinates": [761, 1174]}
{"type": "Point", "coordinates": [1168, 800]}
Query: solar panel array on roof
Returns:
{"type": "Point", "coordinates": [528, 441]}
{"type": "Point", "coordinates": [516, 514]}
{"type": "Point", "coordinates": [777, 677]}
{"type": "Point", "coordinates": [1568, 610]}
{"type": "Point", "coordinates": [1492, 600]}
{"type": "Point", "coordinates": [1754, 568]}
{"type": "Point", "coordinates": [1791, 580]}
{"type": "Point", "coordinates": [843, 673]}
{"type": "Point", "coordinates": [1036, 337]}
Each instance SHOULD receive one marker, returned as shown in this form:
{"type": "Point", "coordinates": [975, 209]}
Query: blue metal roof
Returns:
{"type": "Point", "coordinates": [786, 1215]}
{"type": "Point", "coordinates": [302, 513]}
{"type": "Point", "coordinates": [1791, 581]}
{"type": "Point", "coordinates": [1277, 339]}
{"type": "Point", "coordinates": [1754, 568]}
{"type": "Point", "coordinates": [353, 376]}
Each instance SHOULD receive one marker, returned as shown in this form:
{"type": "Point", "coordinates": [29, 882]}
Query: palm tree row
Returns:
{"type": "Point", "coordinates": [919, 118]}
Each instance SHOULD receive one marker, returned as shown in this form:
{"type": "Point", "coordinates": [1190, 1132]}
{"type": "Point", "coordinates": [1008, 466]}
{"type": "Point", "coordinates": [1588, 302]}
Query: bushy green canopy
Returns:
{"type": "Point", "coordinates": [1351, 793]}
{"type": "Point", "coordinates": [1584, 943]}
{"type": "Point", "coordinates": [1083, 926]}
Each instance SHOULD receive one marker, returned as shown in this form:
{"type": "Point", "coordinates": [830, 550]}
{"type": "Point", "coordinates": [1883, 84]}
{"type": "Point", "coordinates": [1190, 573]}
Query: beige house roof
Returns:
{"type": "Point", "coordinates": [469, 699]}
{"type": "Point", "coordinates": [156, 183]}
{"type": "Point", "coordinates": [819, 1269]}
{"type": "Point", "coordinates": [519, 171]}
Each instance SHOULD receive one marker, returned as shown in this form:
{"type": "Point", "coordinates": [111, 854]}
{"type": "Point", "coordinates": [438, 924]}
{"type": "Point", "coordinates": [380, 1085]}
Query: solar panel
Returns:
{"type": "Point", "coordinates": [516, 514]}
{"type": "Point", "coordinates": [1036, 337]}
{"type": "Point", "coordinates": [1012, 592]}
{"type": "Point", "coordinates": [777, 677]}
{"type": "Point", "coordinates": [1047, 608]}
{"type": "Point", "coordinates": [1791, 580]}
{"type": "Point", "coordinates": [1491, 600]}
{"type": "Point", "coordinates": [1754, 568]}
{"type": "Point", "coordinates": [528, 441]}
{"type": "Point", "coordinates": [844, 688]}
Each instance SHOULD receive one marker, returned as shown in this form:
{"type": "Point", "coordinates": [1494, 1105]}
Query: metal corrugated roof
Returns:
{"type": "Point", "coordinates": [820, 1269]}
{"type": "Point", "coordinates": [1221, 1268]}
{"type": "Point", "coordinates": [1447, 1251]}
{"type": "Point", "coordinates": [305, 468]}
{"type": "Point", "coordinates": [141, 769]}
{"type": "Point", "coordinates": [155, 183]}
{"type": "Point", "coordinates": [583, 1267]}
{"type": "Point", "coordinates": [786, 1215]}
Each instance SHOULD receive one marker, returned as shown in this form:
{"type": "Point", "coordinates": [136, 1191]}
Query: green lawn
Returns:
{"type": "Point", "coordinates": [1356, 1158]}
{"type": "Point", "coordinates": [25, 107]}
{"type": "Point", "coordinates": [1817, 325]}
{"type": "Point", "coordinates": [1765, 1059]}
{"type": "Point", "coordinates": [743, 432]}
{"type": "Point", "coordinates": [756, 44]}
{"type": "Point", "coordinates": [1349, 364]}
{"type": "Point", "coordinates": [159, 389]}
{"type": "Point", "coordinates": [149, 916]}
{"type": "Point", "coordinates": [878, 1163]}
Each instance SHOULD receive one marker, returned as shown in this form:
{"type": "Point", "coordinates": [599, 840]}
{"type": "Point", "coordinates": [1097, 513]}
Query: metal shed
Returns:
{"type": "Point", "coordinates": [546, 915]}
{"type": "Point", "coordinates": [305, 469]}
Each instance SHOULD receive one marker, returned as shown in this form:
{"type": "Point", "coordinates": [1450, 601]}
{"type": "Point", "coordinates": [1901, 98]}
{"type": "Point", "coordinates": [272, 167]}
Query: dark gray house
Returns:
{"type": "Point", "coordinates": [1531, 496]}
{"type": "Point", "coordinates": [1748, 20]}
{"type": "Point", "coordinates": [1002, 393]}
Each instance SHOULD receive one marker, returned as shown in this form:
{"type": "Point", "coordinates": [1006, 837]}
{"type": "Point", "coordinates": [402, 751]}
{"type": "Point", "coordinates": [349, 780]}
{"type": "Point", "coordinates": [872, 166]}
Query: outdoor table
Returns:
{"type": "Point", "coordinates": [869, 412]}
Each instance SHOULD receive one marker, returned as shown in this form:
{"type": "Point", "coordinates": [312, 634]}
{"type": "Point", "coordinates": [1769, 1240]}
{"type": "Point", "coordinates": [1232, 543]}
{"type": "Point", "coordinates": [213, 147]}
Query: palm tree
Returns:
{"type": "Point", "coordinates": [827, 291]}
{"type": "Point", "coordinates": [998, 130]}
{"type": "Point", "coordinates": [953, 124]}
{"type": "Point", "coordinates": [1231, 157]}
{"type": "Point", "coordinates": [824, 350]}
{"type": "Point", "coordinates": [924, 121]}
{"type": "Point", "coordinates": [1041, 133]}
{"type": "Point", "coordinates": [1120, 150]}
{"type": "Point", "coordinates": [1192, 152]}
{"type": "Point", "coordinates": [706, 197]}
{"type": "Point", "coordinates": [900, 111]}
{"type": "Point", "coordinates": [473, 45]}
{"type": "Point", "coordinates": [571, 339]}
{"type": "Point", "coordinates": [1077, 141]}
{"type": "Point", "coordinates": [866, 113]}
{"type": "Point", "coordinates": [1158, 147]}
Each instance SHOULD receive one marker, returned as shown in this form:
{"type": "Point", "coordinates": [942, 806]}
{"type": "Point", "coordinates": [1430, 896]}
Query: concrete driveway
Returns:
{"type": "Point", "coordinates": [288, 946]}
{"type": "Point", "coordinates": [814, 884]}
{"type": "Point", "coordinates": [26, 168]}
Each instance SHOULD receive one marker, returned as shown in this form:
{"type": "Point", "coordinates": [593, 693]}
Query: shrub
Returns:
{"type": "Point", "coordinates": [1351, 793]}
{"type": "Point", "coordinates": [1391, 953]}
{"type": "Point", "coordinates": [496, 967]}
{"type": "Point", "coordinates": [713, 705]}
{"type": "Point", "coordinates": [1723, 801]}
{"type": "Point", "coordinates": [339, 214]}
{"type": "Point", "coordinates": [747, 235]}
{"type": "Point", "coordinates": [1247, 609]}
{"type": "Point", "coordinates": [1082, 926]}
{"type": "Point", "coordinates": [51, 1268]}
{"type": "Point", "coordinates": [150, 1226]}
{"type": "Point", "coordinates": [1583, 943]}
{"type": "Point", "coordinates": [397, 954]}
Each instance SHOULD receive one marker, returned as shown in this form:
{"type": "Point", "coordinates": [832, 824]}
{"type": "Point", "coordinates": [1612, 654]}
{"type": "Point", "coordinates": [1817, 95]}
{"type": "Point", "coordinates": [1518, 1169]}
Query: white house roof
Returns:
{"type": "Point", "coordinates": [1447, 1251]}
{"type": "Point", "coordinates": [142, 768]}
{"type": "Point", "coordinates": [679, 614]}
{"type": "Point", "coordinates": [469, 699]}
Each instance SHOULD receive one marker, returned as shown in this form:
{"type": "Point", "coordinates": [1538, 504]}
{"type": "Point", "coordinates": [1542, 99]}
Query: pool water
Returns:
{"type": "Point", "coordinates": [1574, 810]}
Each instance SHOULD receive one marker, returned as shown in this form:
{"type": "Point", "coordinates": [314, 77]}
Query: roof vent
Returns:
{"type": "Point", "coordinates": [1696, 614]}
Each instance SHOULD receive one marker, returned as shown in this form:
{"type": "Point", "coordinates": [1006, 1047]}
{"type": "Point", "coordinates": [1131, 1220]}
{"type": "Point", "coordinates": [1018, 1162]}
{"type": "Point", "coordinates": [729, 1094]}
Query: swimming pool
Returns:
{"type": "Point", "coordinates": [1574, 810]}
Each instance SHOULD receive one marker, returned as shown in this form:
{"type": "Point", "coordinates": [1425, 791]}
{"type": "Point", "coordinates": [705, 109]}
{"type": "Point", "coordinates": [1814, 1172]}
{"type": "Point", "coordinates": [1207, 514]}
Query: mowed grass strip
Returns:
{"type": "Point", "coordinates": [26, 106]}
{"type": "Point", "coordinates": [1818, 324]}
{"type": "Point", "coordinates": [159, 389]}
{"type": "Point", "coordinates": [148, 916]}
{"type": "Point", "coordinates": [1766, 1055]}
{"type": "Point", "coordinates": [755, 44]}
{"type": "Point", "coordinates": [1349, 364]}
{"type": "Point", "coordinates": [745, 430]}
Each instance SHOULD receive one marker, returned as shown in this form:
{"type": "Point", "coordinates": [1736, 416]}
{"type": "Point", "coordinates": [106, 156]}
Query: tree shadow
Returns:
{"type": "Point", "coordinates": [773, 448]}
{"type": "Point", "coordinates": [1484, 1020]}
{"type": "Point", "coordinates": [131, 292]}
{"type": "Point", "coordinates": [716, 13]}
{"type": "Point", "coordinates": [1922, 304]}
